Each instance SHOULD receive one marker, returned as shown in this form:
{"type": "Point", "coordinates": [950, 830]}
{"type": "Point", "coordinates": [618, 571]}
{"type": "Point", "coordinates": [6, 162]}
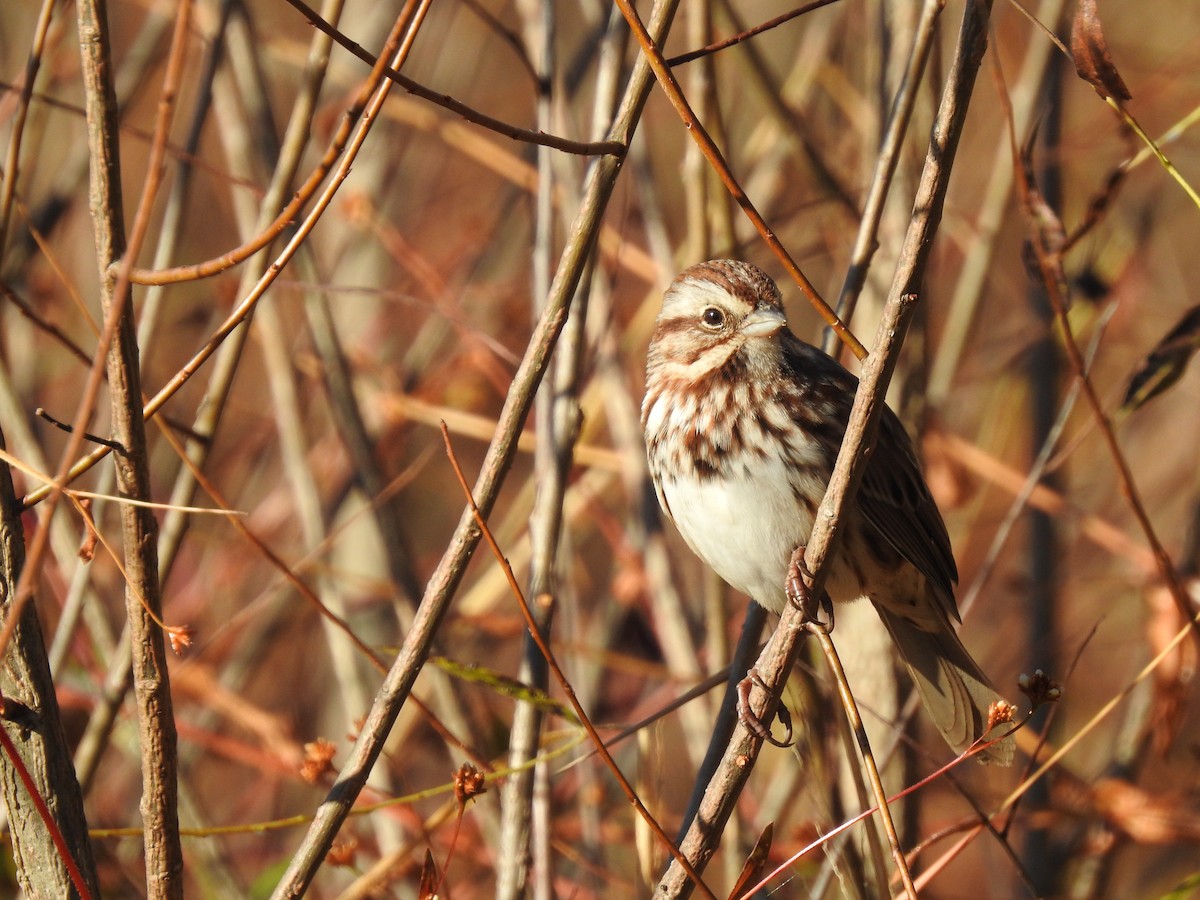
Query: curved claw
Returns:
{"type": "Point", "coordinates": [799, 596]}
{"type": "Point", "coordinates": [816, 624]}
{"type": "Point", "coordinates": [748, 718]}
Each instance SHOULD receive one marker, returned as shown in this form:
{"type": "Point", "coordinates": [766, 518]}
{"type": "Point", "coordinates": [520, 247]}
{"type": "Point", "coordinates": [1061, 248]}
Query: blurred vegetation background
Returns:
{"type": "Point", "coordinates": [411, 302]}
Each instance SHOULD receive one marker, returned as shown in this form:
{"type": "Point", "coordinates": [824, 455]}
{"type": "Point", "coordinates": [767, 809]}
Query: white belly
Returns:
{"type": "Point", "coordinates": [744, 526]}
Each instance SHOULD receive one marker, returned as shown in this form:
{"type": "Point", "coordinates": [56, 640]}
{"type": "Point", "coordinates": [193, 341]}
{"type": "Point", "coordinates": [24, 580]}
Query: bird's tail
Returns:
{"type": "Point", "coordinates": [953, 688]}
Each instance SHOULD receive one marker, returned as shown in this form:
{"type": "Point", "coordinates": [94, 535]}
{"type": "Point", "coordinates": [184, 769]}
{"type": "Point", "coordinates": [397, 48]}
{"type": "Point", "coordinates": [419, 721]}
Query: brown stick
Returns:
{"type": "Point", "coordinates": [143, 601]}
{"type": "Point", "coordinates": [40, 747]}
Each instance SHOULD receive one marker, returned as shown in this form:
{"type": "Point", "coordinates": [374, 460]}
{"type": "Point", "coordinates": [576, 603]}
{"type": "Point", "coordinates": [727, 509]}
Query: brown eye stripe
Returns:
{"type": "Point", "coordinates": [675, 325]}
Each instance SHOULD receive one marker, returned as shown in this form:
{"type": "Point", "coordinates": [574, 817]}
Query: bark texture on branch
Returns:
{"type": "Point", "coordinates": [139, 529]}
{"type": "Point", "coordinates": [39, 740]}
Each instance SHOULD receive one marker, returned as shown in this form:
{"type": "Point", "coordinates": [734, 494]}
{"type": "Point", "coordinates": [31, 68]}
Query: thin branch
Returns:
{"type": "Point", "coordinates": [746, 35]}
{"type": "Point", "coordinates": [56, 836]}
{"type": "Point", "coordinates": [581, 148]}
{"type": "Point", "coordinates": [12, 158]}
{"type": "Point", "coordinates": [850, 705]}
{"type": "Point", "coordinates": [523, 845]}
{"type": "Point", "coordinates": [64, 427]}
{"type": "Point", "coordinates": [143, 601]}
{"type": "Point", "coordinates": [50, 328]}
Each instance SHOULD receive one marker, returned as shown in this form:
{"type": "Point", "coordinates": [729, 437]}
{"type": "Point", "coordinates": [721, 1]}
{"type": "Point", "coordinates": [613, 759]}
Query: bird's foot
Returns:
{"type": "Point", "coordinates": [800, 596]}
{"type": "Point", "coordinates": [750, 719]}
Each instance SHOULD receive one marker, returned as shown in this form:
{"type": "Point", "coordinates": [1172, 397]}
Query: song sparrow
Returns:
{"type": "Point", "coordinates": [743, 422]}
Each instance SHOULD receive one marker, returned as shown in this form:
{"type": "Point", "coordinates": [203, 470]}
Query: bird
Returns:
{"type": "Point", "coordinates": [742, 423]}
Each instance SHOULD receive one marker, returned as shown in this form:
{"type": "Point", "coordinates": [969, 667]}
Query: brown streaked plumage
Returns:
{"type": "Point", "coordinates": [743, 422]}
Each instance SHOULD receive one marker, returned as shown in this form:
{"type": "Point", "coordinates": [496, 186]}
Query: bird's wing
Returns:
{"type": "Point", "coordinates": [896, 502]}
{"type": "Point", "coordinates": [893, 498]}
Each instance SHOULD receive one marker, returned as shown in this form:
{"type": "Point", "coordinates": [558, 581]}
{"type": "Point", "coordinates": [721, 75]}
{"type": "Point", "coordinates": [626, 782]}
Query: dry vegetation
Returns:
{"type": "Point", "coordinates": [413, 301]}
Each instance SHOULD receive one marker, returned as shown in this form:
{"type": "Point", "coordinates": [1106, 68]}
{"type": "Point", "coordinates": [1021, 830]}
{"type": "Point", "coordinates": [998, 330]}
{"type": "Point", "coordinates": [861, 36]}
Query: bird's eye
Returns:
{"type": "Point", "coordinates": [713, 317]}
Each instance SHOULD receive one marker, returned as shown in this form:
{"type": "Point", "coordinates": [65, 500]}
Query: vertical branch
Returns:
{"type": "Point", "coordinates": [117, 680]}
{"type": "Point", "coordinates": [156, 723]}
{"type": "Point", "coordinates": [697, 181]}
{"type": "Point", "coordinates": [518, 834]}
{"type": "Point", "coordinates": [12, 157]}
{"type": "Point", "coordinates": [40, 743]}
{"type": "Point", "coordinates": [1042, 367]}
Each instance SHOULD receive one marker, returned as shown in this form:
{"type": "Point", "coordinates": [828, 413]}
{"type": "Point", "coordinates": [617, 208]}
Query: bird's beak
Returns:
{"type": "Point", "coordinates": [763, 322]}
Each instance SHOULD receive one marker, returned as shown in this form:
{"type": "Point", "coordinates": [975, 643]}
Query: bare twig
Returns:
{"type": "Point", "coordinates": [860, 735]}
{"type": "Point", "coordinates": [12, 158]}
{"type": "Point", "coordinates": [49, 327]}
{"type": "Point", "coordinates": [94, 438]}
{"type": "Point", "coordinates": [522, 844]}
{"type": "Point", "coordinates": [32, 789]}
{"type": "Point", "coordinates": [143, 601]}
{"type": "Point", "coordinates": [455, 106]}
{"type": "Point", "coordinates": [749, 33]}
